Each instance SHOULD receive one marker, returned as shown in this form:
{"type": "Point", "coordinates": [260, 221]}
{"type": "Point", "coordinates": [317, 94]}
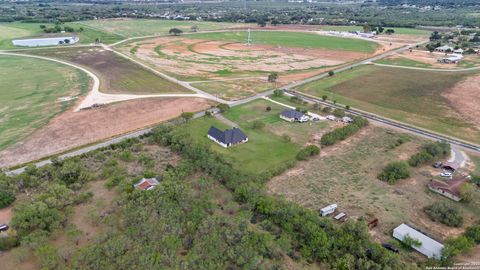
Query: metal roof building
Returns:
{"type": "Point", "coordinates": [429, 247]}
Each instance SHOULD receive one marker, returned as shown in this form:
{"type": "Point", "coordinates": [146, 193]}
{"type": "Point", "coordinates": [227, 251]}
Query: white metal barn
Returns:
{"type": "Point", "coordinates": [328, 210]}
{"type": "Point", "coordinates": [429, 247]}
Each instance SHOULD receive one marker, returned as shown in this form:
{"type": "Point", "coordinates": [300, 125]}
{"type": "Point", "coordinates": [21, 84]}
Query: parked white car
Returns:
{"type": "Point", "coordinates": [446, 174]}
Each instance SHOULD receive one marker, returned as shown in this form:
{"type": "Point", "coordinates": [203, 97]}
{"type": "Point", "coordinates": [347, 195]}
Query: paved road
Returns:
{"type": "Point", "coordinates": [429, 69]}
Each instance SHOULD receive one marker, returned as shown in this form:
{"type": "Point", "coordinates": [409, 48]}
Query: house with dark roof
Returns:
{"type": "Point", "coordinates": [449, 189]}
{"type": "Point", "coordinates": [293, 116]}
{"type": "Point", "coordinates": [146, 184]}
{"type": "Point", "coordinates": [227, 138]}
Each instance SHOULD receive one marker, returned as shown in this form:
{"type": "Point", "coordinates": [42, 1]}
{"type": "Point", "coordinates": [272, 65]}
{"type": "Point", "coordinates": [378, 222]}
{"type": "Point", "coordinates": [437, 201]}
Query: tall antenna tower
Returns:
{"type": "Point", "coordinates": [244, 4]}
{"type": "Point", "coordinates": [249, 39]}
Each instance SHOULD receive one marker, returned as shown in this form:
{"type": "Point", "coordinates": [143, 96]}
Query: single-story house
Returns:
{"type": "Point", "coordinates": [458, 51]}
{"type": "Point", "coordinates": [293, 116]}
{"type": "Point", "coordinates": [228, 137]}
{"type": "Point", "coordinates": [451, 59]}
{"type": "Point", "coordinates": [146, 184]}
{"type": "Point", "coordinates": [429, 247]}
{"type": "Point", "coordinates": [449, 189]}
{"type": "Point", "coordinates": [444, 49]}
{"type": "Point", "coordinates": [451, 166]}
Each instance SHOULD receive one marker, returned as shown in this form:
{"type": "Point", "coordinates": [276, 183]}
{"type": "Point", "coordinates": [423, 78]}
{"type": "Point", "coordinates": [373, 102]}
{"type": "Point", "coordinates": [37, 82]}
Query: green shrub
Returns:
{"type": "Point", "coordinates": [9, 242]}
{"type": "Point", "coordinates": [444, 213]}
{"type": "Point", "coordinates": [342, 133]}
{"type": "Point", "coordinates": [430, 152]}
{"type": "Point", "coordinates": [7, 197]}
{"type": "Point", "coordinates": [394, 171]}
{"type": "Point", "coordinates": [339, 112]}
{"type": "Point", "coordinates": [309, 151]}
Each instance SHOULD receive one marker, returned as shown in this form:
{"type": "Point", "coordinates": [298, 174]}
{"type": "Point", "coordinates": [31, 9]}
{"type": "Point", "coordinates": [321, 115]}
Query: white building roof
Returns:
{"type": "Point", "coordinates": [444, 48]}
{"type": "Point", "coordinates": [429, 247]}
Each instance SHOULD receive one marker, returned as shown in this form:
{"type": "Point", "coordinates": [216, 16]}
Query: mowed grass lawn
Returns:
{"type": "Point", "coordinates": [117, 74]}
{"type": "Point", "coordinates": [410, 96]}
{"type": "Point", "coordinates": [144, 27]}
{"type": "Point", "coordinates": [400, 61]}
{"type": "Point", "coordinates": [29, 89]}
{"type": "Point", "coordinates": [292, 39]}
{"type": "Point", "coordinates": [265, 150]}
{"type": "Point", "coordinates": [10, 31]}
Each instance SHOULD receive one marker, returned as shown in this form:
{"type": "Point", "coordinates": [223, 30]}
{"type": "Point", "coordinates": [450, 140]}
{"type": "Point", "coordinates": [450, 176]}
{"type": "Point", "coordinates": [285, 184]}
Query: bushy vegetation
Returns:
{"type": "Point", "coordinates": [462, 244]}
{"type": "Point", "coordinates": [307, 152]}
{"type": "Point", "coordinates": [444, 213]}
{"type": "Point", "coordinates": [394, 171]}
{"type": "Point", "coordinates": [315, 238]}
{"type": "Point", "coordinates": [430, 152]}
{"type": "Point", "coordinates": [342, 133]}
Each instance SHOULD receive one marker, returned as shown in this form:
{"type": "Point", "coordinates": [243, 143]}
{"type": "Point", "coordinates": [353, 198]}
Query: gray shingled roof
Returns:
{"type": "Point", "coordinates": [292, 114]}
{"type": "Point", "coordinates": [229, 136]}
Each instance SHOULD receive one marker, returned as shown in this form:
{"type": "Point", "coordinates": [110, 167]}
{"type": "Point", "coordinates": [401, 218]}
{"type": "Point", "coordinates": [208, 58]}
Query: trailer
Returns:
{"type": "Point", "coordinates": [328, 210]}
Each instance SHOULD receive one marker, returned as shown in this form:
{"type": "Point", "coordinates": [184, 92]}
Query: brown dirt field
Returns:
{"type": "Point", "coordinates": [465, 98]}
{"type": "Point", "coordinates": [5, 215]}
{"type": "Point", "coordinates": [74, 129]}
{"type": "Point", "coordinates": [187, 57]}
{"type": "Point", "coordinates": [427, 58]}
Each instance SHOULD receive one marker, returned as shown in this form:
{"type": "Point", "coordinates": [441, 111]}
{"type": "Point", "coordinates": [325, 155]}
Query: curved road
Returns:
{"type": "Point", "coordinates": [367, 115]}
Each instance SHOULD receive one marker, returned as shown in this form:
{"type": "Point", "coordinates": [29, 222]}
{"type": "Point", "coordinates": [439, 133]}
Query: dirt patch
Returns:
{"type": "Point", "coordinates": [215, 59]}
{"type": "Point", "coordinates": [465, 98]}
{"type": "Point", "coordinates": [74, 129]}
{"type": "Point", "coordinates": [5, 215]}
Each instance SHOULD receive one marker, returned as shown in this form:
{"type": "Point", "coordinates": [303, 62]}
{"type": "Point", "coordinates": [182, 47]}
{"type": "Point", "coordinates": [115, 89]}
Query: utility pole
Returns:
{"type": "Point", "coordinates": [249, 39]}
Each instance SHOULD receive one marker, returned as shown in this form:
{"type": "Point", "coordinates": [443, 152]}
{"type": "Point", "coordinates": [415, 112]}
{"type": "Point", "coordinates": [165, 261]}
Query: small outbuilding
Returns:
{"type": "Point", "coordinates": [347, 119]}
{"type": "Point", "coordinates": [451, 166]}
{"type": "Point", "coordinates": [294, 116]}
{"type": "Point", "coordinates": [328, 210]}
{"type": "Point", "coordinates": [146, 184]}
{"type": "Point", "coordinates": [444, 49]}
{"type": "Point", "coordinates": [228, 137]}
{"type": "Point", "coordinates": [428, 246]}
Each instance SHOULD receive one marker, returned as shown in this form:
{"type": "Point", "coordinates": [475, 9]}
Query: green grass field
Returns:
{"type": "Point", "coordinates": [398, 30]}
{"type": "Point", "coordinates": [402, 62]}
{"type": "Point", "coordinates": [29, 92]}
{"type": "Point", "coordinates": [410, 96]}
{"type": "Point", "coordinates": [26, 30]}
{"type": "Point", "coordinates": [265, 149]}
{"type": "Point", "coordinates": [292, 39]}
{"type": "Point", "coordinates": [145, 27]}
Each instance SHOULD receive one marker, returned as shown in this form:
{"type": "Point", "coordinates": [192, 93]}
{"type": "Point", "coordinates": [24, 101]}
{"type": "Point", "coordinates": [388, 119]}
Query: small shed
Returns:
{"type": "Point", "coordinates": [428, 246]}
{"type": "Point", "coordinates": [328, 210]}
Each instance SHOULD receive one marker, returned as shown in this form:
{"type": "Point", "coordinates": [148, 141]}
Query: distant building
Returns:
{"type": "Point", "coordinates": [228, 137]}
{"type": "Point", "coordinates": [146, 184]}
{"type": "Point", "coordinates": [449, 188]}
{"type": "Point", "coordinates": [293, 116]}
{"type": "Point", "coordinates": [451, 59]}
{"type": "Point", "coordinates": [444, 49]}
{"type": "Point", "coordinates": [428, 247]}
{"type": "Point", "coordinates": [458, 51]}
{"type": "Point", "coordinates": [35, 42]}
{"type": "Point", "coordinates": [366, 34]}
